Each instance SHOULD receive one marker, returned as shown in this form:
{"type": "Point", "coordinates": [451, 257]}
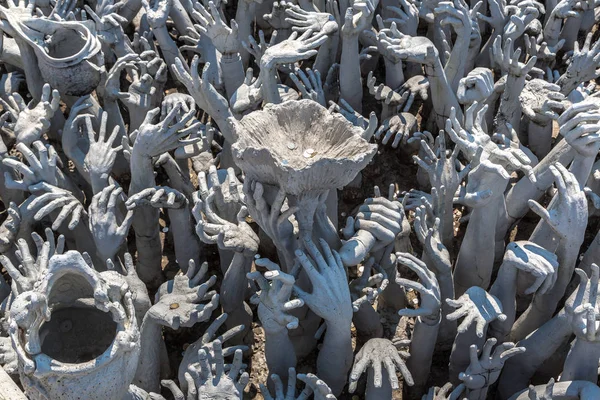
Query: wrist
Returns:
{"type": "Point", "coordinates": [229, 57]}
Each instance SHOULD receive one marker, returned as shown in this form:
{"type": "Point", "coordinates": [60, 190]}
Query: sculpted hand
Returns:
{"type": "Point", "coordinates": [400, 127]}
{"type": "Point", "coordinates": [277, 18]}
{"type": "Point", "coordinates": [535, 260]}
{"type": "Point", "coordinates": [443, 393]}
{"type": "Point", "coordinates": [108, 234]}
{"type": "Point", "coordinates": [583, 65]}
{"type": "Point", "coordinates": [258, 50]}
{"type": "Point", "coordinates": [200, 88]}
{"type": "Point", "coordinates": [49, 198]}
{"type": "Point", "coordinates": [367, 288]}
{"type": "Point", "coordinates": [9, 229]}
{"type": "Point", "coordinates": [185, 102]}
{"type": "Point", "coordinates": [377, 354]}
{"type": "Point", "coordinates": [224, 38]}
{"type": "Point", "coordinates": [110, 88]}
{"type": "Point", "coordinates": [579, 125]}
{"type": "Point", "coordinates": [32, 270]}
{"type": "Point", "coordinates": [249, 95]}
{"type": "Point", "coordinates": [34, 120]}
{"type": "Point", "coordinates": [541, 101]}
{"type": "Point", "coordinates": [473, 136]}
{"type": "Point", "coordinates": [206, 341]}
{"type": "Point", "coordinates": [101, 155]}
{"type": "Point", "coordinates": [207, 378]}
{"type": "Point", "coordinates": [302, 20]}
{"type": "Point", "coordinates": [178, 301]}
{"type": "Point", "coordinates": [429, 289]}
{"type": "Point", "coordinates": [272, 218]}
{"type": "Point", "coordinates": [383, 218]}
{"type": "Point", "coordinates": [273, 299]}
{"type": "Point", "coordinates": [440, 167]}
{"type": "Point", "coordinates": [313, 385]}
{"type": "Point", "coordinates": [151, 140]}
{"type": "Point", "coordinates": [407, 17]}
{"type": "Point", "coordinates": [477, 86]}
{"type": "Point", "coordinates": [358, 17]}
{"type": "Point", "coordinates": [293, 49]}
{"type": "Point", "coordinates": [157, 12]}
{"type": "Point", "coordinates": [569, 215]}
{"type": "Point", "coordinates": [40, 169]}
{"type": "Point", "coordinates": [400, 47]}
{"type": "Point", "coordinates": [227, 190]}
{"type": "Point", "coordinates": [478, 307]}
{"type": "Point", "coordinates": [108, 21]}
{"type": "Point", "coordinates": [310, 85]}
{"type": "Point", "coordinates": [354, 116]}
{"type": "Point", "coordinates": [211, 228]}
{"type": "Point", "coordinates": [157, 197]}
{"type": "Point", "coordinates": [483, 371]}
{"type": "Point", "coordinates": [508, 60]}
{"type": "Point", "coordinates": [330, 298]}
{"type": "Point", "coordinates": [485, 182]}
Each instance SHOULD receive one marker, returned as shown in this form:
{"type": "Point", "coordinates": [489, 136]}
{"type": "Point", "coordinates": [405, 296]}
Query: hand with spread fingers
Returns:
{"type": "Point", "coordinates": [179, 302]}
{"type": "Point", "coordinates": [377, 354]}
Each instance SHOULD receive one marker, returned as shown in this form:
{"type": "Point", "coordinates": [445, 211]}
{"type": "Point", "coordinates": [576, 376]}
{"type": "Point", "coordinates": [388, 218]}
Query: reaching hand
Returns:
{"type": "Point", "coordinates": [402, 47]}
{"type": "Point", "coordinates": [541, 101]}
{"type": "Point", "coordinates": [535, 260]}
{"type": "Point", "coordinates": [443, 393]}
{"type": "Point", "coordinates": [157, 12]}
{"type": "Point", "coordinates": [200, 88]}
{"type": "Point", "coordinates": [32, 270]}
{"type": "Point", "coordinates": [151, 140]}
{"type": "Point", "coordinates": [108, 21]}
{"type": "Point", "coordinates": [400, 127]}
{"type": "Point", "coordinates": [483, 371]}
{"type": "Point", "coordinates": [313, 385]}
{"type": "Point", "coordinates": [273, 299]}
{"type": "Point", "coordinates": [579, 125]}
{"type": "Point", "coordinates": [224, 38]}
{"type": "Point", "coordinates": [429, 289]}
{"type": "Point", "coordinates": [477, 306]}
{"type": "Point", "coordinates": [367, 288]}
{"type": "Point", "coordinates": [311, 86]}
{"type": "Point", "coordinates": [41, 169]}
{"type": "Point", "coordinates": [228, 196]}
{"type": "Point", "coordinates": [293, 49]}
{"type": "Point", "coordinates": [477, 86]}
{"type": "Point", "coordinates": [258, 50]}
{"type": "Point", "coordinates": [49, 198]}
{"type": "Point", "coordinates": [583, 65]}
{"type": "Point", "coordinates": [568, 215]}
{"type": "Point", "coordinates": [178, 301]}
{"type": "Point", "coordinates": [440, 168]}
{"type": "Point", "coordinates": [407, 17]}
{"type": "Point", "coordinates": [330, 298]}
{"type": "Point", "coordinates": [108, 234]}
{"type": "Point", "coordinates": [508, 60]}
{"type": "Point", "coordinates": [379, 353]}
{"type": "Point", "coordinates": [358, 17]}
{"type": "Point", "coordinates": [101, 156]}
{"type": "Point", "coordinates": [272, 218]}
{"type": "Point", "coordinates": [33, 121]}
{"type": "Point", "coordinates": [211, 228]}
{"type": "Point", "coordinates": [157, 197]}
{"type": "Point", "coordinates": [207, 378]}
{"type": "Point", "coordinates": [303, 21]}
